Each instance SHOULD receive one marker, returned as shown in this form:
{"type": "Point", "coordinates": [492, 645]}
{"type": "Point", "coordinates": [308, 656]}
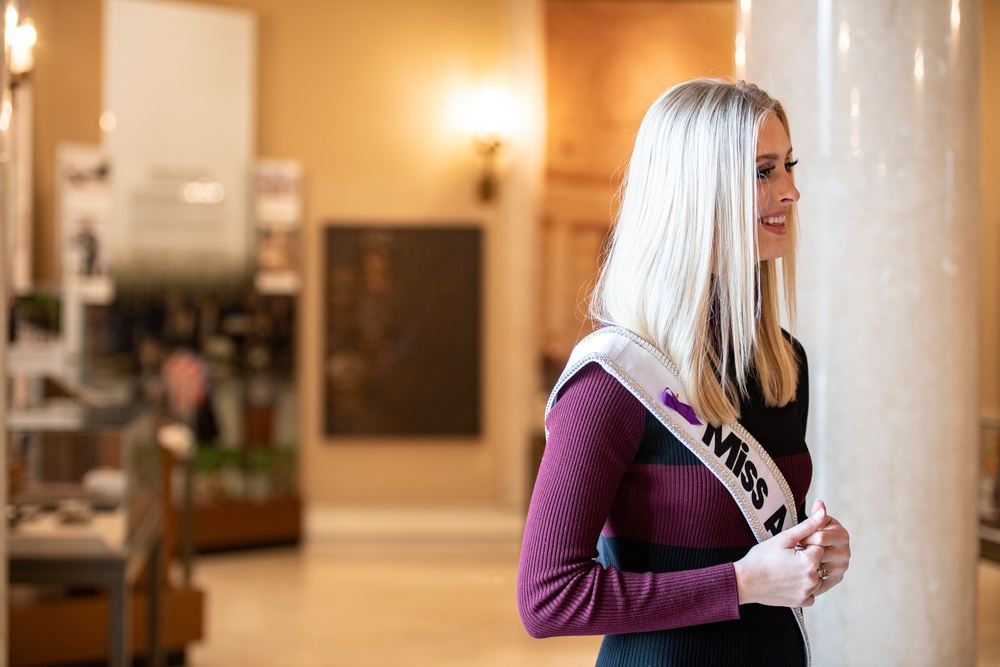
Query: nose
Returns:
{"type": "Point", "coordinates": [786, 190]}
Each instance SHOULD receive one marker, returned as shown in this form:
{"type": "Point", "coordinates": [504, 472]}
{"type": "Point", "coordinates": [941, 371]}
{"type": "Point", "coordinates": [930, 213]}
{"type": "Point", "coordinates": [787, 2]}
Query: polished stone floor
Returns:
{"type": "Point", "coordinates": [385, 606]}
{"type": "Point", "coordinates": [369, 609]}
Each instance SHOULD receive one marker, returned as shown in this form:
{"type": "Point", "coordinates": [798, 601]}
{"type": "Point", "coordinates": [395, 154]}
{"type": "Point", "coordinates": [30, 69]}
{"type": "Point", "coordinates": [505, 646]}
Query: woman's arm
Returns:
{"type": "Point", "coordinates": [594, 432]}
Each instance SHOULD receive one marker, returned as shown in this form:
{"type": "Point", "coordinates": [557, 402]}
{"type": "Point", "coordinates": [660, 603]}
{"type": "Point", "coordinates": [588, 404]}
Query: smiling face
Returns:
{"type": "Point", "coordinates": [775, 188]}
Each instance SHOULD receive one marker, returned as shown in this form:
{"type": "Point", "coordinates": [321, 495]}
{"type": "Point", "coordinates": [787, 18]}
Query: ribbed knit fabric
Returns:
{"type": "Point", "coordinates": [629, 535]}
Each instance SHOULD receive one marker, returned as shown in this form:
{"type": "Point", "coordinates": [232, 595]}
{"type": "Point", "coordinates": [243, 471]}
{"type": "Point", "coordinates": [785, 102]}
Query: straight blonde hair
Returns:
{"type": "Point", "coordinates": [681, 267]}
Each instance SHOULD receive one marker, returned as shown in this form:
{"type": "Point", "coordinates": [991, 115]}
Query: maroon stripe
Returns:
{"type": "Point", "coordinates": [688, 506]}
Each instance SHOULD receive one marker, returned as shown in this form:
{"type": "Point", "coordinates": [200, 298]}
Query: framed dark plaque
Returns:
{"type": "Point", "coordinates": [402, 331]}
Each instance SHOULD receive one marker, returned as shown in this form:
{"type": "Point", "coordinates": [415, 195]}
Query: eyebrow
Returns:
{"type": "Point", "coordinates": [773, 156]}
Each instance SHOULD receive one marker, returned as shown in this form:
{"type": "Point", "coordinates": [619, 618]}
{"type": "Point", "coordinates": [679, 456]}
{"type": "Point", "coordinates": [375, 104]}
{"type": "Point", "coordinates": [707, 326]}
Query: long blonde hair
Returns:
{"type": "Point", "coordinates": [681, 267]}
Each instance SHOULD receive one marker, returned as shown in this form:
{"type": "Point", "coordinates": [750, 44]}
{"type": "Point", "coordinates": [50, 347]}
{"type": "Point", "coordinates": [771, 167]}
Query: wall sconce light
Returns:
{"type": "Point", "coordinates": [488, 145]}
{"type": "Point", "coordinates": [490, 117]}
{"type": "Point", "coordinates": [19, 37]}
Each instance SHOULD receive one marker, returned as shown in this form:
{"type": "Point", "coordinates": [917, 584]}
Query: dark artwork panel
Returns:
{"type": "Point", "coordinates": [402, 352]}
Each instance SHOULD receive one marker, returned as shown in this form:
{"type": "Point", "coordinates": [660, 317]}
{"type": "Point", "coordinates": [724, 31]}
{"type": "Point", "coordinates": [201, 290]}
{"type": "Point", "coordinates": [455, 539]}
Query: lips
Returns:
{"type": "Point", "coordinates": [775, 224]}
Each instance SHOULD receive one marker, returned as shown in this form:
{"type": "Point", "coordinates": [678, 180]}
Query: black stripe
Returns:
{"type": "Point", "coordinates": [631, 554]}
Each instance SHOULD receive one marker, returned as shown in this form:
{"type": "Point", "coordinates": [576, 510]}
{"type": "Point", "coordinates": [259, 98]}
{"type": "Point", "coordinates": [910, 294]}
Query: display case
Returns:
{"type": "Point", "coordinates": [86, 518]}
{"type": "Point", "coordinates": [90, 482]}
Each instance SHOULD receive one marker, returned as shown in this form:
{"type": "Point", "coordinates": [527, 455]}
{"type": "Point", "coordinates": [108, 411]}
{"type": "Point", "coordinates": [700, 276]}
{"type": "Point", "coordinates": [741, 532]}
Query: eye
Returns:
{"type": "Point", "coordinates": [791, 165]}
{"type": "Point", "coordinates": [765, 172]}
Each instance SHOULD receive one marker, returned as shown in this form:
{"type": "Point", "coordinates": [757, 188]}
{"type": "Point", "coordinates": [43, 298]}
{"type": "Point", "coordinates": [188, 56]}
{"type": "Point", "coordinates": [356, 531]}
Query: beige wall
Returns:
{"type": "Point", "coordinates": [360, 93]}
{"type": "Point", "coordinates": [606, 62]}
{"type": "Point", "coordinates": [363, 95]}
{"type": "Point", "coordinates": [67, 106]}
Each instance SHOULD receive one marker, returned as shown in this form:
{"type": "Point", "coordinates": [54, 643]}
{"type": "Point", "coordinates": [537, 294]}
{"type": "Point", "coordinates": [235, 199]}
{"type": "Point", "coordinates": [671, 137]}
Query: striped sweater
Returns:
{"type": "Point", "coordinates": [630, 536]}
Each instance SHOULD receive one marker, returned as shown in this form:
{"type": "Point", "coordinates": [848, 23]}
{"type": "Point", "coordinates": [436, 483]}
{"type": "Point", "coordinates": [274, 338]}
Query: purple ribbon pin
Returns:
{"type": "Point", "coordinates": [683, 409]}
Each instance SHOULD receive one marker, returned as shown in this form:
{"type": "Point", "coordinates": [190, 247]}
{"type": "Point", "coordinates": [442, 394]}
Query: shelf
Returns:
{"type": "Point", "coordinates": [240, 524]}
{"type": "Point", "coordinates": [80, 622]}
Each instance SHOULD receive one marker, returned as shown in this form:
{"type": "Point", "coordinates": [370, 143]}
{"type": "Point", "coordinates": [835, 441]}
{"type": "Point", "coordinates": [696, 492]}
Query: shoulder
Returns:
{"type": "Point", "coordinates": [592, 384]}
{"type": "Point", "coordinates": [593, 397]}
{"type": "Point", "coordinates": [795, 343]}
{"type": "Point", "coordinates": [800, 352]}
{"type": "Point", "coordinates": [801, 399]}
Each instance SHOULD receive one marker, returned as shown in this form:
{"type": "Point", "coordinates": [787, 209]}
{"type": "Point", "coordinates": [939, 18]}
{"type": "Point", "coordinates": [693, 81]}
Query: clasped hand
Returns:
{"type": "Point", "coordinates": [784, 571]}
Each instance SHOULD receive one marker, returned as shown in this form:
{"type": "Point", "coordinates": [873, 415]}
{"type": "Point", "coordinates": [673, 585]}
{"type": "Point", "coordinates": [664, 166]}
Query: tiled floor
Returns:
{"type": "Point", "coordinates": [380, 606]}
{"type": "Point", "coordinates": [313, 608]}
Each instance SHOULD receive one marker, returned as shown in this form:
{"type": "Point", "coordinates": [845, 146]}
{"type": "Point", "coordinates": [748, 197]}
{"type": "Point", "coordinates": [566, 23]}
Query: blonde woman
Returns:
{"type": "Point", "coordinates": [668, 513]}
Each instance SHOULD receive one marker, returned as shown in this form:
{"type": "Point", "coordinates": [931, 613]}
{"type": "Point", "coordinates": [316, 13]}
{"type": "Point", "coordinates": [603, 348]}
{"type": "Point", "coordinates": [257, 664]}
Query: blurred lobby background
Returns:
{"type": "Point", "coordinates": [349, 243]}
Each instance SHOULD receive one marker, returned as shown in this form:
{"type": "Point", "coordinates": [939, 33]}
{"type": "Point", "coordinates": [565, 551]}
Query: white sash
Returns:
{"type": "Point", "coordinates": [730, 452]}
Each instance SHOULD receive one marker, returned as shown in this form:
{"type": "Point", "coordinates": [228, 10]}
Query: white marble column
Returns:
{"type": "Point", "coordinates": [883, 101]}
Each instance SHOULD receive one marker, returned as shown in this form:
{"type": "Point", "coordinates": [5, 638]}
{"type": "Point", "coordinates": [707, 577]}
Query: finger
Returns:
{"type": "Point", "coordinates": [837, 554]}
{"type": "Point", "coordinates": [833, 524]}
{"type": "Point", "coordinates": [835, 564]}
{"type": "Point", "coordinates": [799, 532]}
{"type": "Point", "coordinates": [820, 505]}
{"type": "Point", "coordinates": [832, 533]}
{"type": "Point", "coordinates": [814, 553]}
{"type": "Point", "coordinates": [831, 581]}
{"type": "Point", "coordinates": [827, 537]}
{"type": "Point", "coordinates": [835, 568]}
{"type": "Point", "coordinates": [825, 586]}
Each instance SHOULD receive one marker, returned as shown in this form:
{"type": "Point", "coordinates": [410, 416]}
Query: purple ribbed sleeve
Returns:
{"type": "Point", "coordinates": [594, 432]}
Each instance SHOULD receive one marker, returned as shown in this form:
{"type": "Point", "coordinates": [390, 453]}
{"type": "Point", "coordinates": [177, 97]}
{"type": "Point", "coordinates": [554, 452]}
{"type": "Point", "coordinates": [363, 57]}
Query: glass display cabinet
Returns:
{"type": "Point", "coordinates": [95, 477]}
{"type": "Point", "coordinates": [85, 509]}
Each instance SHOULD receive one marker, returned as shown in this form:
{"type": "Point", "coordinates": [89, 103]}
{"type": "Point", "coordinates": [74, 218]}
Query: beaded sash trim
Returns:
{"type": "Point", "coordinates": [730, 452]}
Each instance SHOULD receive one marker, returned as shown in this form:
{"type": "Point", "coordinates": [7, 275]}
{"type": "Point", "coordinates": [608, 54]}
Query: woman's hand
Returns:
{"type": "Point", "coordinates": [783, 570]}
{"type": "Point", "coordinates": [836, 543]}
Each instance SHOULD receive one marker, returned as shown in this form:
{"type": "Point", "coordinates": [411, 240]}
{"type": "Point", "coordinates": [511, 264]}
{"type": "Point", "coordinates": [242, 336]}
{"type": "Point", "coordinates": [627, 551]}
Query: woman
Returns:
{"type": "Point", "coordinates": [644, 522]}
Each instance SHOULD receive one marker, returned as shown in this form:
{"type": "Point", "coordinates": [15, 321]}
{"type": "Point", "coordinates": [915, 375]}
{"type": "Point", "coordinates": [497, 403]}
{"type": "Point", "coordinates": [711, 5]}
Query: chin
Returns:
{"type": "Point", "coordinates": [768, 254]}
